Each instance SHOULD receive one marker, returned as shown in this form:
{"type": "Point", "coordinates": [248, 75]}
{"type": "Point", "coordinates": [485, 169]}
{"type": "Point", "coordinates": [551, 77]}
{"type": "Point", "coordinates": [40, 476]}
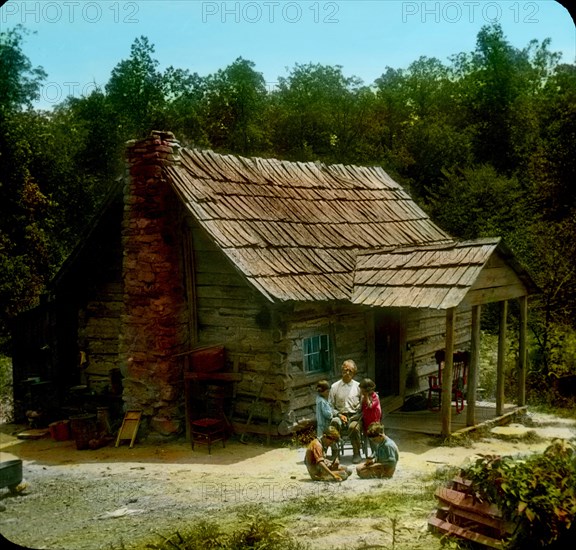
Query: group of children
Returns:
{"type": "Point", "coordinates": [363, 397]}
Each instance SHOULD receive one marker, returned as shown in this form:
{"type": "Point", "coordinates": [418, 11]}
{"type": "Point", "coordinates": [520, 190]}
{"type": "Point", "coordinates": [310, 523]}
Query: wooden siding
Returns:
{"type": "Point", "coordinates": [346, 327]}
{"type": "Point", "coordinates": [232, 313]}
{"type": "Point", "coordinates": [496, 282]}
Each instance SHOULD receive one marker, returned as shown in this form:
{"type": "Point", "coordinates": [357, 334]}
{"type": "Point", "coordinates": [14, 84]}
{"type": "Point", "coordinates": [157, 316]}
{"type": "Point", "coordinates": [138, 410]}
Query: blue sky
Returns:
{"type": "Point", "coordinates": [78, 42]}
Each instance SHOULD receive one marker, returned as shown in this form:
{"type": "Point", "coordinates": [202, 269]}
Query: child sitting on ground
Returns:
{"type": "Point", "coordinates": [383, 464]}
{"type": "Point", "coordinates": [319, 467]}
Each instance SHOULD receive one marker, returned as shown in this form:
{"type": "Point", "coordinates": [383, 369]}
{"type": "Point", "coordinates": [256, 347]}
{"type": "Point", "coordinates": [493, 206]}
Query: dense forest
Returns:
{"type": "Point", "coordinates": [485, 143]}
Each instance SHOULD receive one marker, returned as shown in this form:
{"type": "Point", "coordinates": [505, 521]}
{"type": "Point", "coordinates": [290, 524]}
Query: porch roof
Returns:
{"type": "Point", "coordinates": [439, 276]}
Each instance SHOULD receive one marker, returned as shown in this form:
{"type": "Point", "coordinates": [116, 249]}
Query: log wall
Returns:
{"type": "Point", "coordinates": [98, 333]}
{"type": "Point", "coordinates": [230, 312]}
{"type": "Point", "coordinates": [268, 340]}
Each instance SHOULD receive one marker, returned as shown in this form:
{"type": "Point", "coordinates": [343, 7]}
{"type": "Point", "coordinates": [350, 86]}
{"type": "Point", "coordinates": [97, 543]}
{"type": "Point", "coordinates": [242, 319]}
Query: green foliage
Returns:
{"type": "Point", "coordinates": [478, 202]}
{"type": "Point", "coordinates": [134, 91]}
{"type": "Point", "coordinates": [538, 492]}
{"type": "Point", "coordinates": [234, 108]}
{"type": "Point", "coordinates": [24, 209]}
{"type": "Point", "coordinates": [255, 530]}
{"type": "Point", "coordinates": [320, 113]}
{"type": "Point", "coordinates": [562, 353]}
{"type": "Point", "coordinates": [19, 81]}
{"type": "Point", "coordinates": [485, 142]}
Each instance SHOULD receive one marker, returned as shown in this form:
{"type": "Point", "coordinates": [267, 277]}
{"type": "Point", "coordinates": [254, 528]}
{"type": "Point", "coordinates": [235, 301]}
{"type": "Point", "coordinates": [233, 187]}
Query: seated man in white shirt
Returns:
{"type": "Point", "coordinates": [345, 398]}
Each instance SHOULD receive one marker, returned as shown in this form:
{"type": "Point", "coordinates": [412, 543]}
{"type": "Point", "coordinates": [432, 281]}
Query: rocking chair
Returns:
{"type": "Point", "coordinates": [461, 359]}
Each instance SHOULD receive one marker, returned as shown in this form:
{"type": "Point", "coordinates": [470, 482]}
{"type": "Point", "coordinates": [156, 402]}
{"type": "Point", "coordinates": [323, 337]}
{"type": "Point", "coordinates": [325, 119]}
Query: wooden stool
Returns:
{"type": "Point", "coordinates": [206, 431]}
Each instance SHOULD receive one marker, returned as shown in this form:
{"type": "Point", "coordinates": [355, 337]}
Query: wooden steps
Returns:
{"type": "Point", "coordinates": [462, 515]}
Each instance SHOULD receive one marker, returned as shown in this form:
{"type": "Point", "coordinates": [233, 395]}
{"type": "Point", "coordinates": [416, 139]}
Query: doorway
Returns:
{"type": "Point", "coordinates": [387, 351]}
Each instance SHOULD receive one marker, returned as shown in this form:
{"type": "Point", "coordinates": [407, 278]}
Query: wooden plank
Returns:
{"type": "Point", "coordinates": [467, 502]}
{"type": "Point", "coordinates": [451, 529]}
{"type": "Point", "coordinates": [129, 428]}
{"type": "Point", "coordinates": [446, 397]}
{"type": "Point", "coordinates": [501, 527]}
{"type": "Point", "coordinates": [489, 295]}
{"type": "Point", "coordinates": [500, 365]}
{"type": "Point", "coordinates": [523, 303]}
{"type": "Point", "coordinates": [496, 276]}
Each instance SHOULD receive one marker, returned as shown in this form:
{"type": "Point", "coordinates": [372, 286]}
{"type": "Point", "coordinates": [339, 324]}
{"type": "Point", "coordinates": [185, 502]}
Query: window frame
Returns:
{"type": "Point", "coordinates": [320, 349]}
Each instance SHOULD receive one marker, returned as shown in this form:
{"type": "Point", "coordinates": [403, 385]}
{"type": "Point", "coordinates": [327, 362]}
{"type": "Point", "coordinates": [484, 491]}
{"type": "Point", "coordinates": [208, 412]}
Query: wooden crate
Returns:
{"type": "Point", "coordinates": [462, 515]}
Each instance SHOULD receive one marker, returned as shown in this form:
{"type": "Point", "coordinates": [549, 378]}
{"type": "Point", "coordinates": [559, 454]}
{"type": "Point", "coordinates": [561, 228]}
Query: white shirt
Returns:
{"type": "Point", "coordinates": [345, 398]}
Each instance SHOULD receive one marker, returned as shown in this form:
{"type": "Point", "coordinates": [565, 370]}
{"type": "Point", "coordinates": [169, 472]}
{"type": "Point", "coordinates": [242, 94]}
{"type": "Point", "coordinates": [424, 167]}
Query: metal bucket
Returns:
{"type": "Point", "coordinates": [83, 427]}
{"type": "Point", "coordinates": [11, 474]}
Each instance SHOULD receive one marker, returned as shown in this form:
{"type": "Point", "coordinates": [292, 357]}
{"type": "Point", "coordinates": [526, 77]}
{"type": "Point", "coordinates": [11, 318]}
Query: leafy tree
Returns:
{"type": "Point", "coordinates": [19, 80]}
{"type": "Point", "coordinates": [498, 85]}
{"type": "Point", "coordinates": [135, 91]}
{"type": "Point", "coordinates": [555, 171]}
{"type": "Point", "coordinates": [478, 202]}
{"type": "Point", "coordinates": [423, 131]}
{"type": "Point", "coordinates": [184, 94]}
{"type": "Point", "coordinates": [319, 113]}
{"type": "Point", "coordinates": [25, 211]}
{"type": "Point", "coordinates": [233, 107]}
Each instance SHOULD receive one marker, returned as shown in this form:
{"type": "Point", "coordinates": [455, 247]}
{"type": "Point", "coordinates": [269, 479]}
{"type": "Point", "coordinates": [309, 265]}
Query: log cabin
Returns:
{"type": "Point", "coordinates": [291, 267]}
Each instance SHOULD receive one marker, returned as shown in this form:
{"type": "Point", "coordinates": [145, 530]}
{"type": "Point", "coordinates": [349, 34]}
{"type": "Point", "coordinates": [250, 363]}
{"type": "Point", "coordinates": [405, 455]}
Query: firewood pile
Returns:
{"type": "Point", "coordinates": [461, 514]}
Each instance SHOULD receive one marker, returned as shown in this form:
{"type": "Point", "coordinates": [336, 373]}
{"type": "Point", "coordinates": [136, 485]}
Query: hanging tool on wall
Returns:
{"type": "Point", "coordinates": [252, 409]}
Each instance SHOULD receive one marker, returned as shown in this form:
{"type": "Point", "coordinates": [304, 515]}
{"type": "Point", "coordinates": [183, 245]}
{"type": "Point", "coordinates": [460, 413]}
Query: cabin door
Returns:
{"type": "Point", "coordinates": [387, 343]}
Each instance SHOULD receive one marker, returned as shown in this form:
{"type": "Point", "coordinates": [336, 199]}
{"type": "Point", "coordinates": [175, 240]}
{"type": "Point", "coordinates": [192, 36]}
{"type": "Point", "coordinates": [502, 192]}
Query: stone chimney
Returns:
{"type": "Point", "coordinates": [153, 325]}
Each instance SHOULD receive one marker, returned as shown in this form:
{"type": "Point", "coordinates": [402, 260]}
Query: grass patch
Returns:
{"type": "Point", "coordinates": [561, 412]}
{"type": "Point", "coordinates": [251, 528]}
{"type": "Point", "coordinates": [374, 504]}
{"type": "Point", "coordinates": [465, 440]}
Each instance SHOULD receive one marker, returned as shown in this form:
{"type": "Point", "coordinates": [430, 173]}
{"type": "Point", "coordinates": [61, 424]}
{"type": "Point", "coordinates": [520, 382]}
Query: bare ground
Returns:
{"type": "Point", "coordinates": [119, 497]}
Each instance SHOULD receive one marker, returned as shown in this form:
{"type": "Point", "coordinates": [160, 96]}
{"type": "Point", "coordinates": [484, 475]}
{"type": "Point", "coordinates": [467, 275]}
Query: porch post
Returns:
{"type": "Point", "coordinates": [501, 359]}
{"type": "Point", "coordinates": [447, 374]}
{"type": "Point", "coordinates": [523, 301]}
{"type": "Point", "coordinates": [473, 368]}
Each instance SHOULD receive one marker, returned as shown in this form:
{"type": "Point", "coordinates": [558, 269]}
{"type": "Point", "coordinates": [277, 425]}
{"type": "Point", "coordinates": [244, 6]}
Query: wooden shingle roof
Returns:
{"type": "Point", "coordinates": [295, 229]}
{"type": "Point", "coordinates": [439, 276]}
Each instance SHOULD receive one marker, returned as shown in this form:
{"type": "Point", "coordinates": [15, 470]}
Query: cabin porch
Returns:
{"type": "Point", "coordinates": [430, 422]}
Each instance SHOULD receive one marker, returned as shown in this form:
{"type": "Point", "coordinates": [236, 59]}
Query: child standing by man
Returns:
{"type": "Point", "coordinates": [324, 409]}
{"type": "Point", "coordinates": [371, 409]}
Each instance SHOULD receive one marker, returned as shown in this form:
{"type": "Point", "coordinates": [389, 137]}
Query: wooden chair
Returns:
{"type": "Point", "coordinates": [461, 360]}
{"type": "Point", "coordinates": [207, 393]}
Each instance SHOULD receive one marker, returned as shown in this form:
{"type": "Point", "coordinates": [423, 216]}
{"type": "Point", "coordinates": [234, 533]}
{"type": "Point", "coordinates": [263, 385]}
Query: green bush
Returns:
{"type": "Point", "coordinates": [537, 492]}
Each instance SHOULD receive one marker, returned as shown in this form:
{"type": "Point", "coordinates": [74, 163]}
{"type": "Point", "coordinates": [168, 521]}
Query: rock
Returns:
{"type": "Point", "coordinates": [165, 426]}
{"type": "Point", "coordinates": [512, 431]}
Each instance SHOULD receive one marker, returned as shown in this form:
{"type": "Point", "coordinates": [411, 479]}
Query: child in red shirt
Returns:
{"type": "Point", "coordinates": [370, 403]}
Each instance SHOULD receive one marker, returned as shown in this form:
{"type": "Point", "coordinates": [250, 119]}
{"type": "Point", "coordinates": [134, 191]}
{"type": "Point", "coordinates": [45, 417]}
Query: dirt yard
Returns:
{"type": "Point", "coordinates": [114, 498]}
